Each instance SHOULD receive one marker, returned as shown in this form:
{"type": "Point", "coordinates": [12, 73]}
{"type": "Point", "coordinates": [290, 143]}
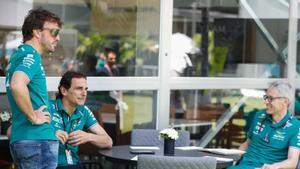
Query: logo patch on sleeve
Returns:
{"type": "Point", "coordinates": [28, 60]}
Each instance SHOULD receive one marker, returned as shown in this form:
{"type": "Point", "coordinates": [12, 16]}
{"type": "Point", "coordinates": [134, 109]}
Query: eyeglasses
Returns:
{"type": "Point", "coordinates": [53, 32]}
{"type": "Point", "coordinates": [270, 98]}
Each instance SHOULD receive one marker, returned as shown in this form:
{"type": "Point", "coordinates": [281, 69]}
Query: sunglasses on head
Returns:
{"type": "Point", "coordinates": [53, 32]}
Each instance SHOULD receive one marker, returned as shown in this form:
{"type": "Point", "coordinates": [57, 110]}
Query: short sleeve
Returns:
{"type": "Point", "coordinates": [90, 118]}
{"type": "Point", "coordinates": [295, 140]}
{"type": "Point", "coordinates": [30, 65]}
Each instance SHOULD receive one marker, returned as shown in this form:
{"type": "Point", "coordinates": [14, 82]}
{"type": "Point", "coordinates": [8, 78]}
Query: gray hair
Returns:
{"type": "Point", "coordinates": [283, 88]}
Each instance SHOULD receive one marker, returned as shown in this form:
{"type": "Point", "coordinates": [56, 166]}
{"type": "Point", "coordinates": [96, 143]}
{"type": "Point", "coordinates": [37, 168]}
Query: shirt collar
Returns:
{"type": "Point", "coordinates": [281, 122]}
{"type": "Point", "coordinates": [28, 47]}
{"type": "Point", "coordinates": [60, 107]}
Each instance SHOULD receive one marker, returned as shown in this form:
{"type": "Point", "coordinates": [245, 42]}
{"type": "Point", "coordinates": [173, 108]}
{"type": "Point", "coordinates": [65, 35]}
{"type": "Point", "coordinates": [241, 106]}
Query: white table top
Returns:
{"type": "Point", "coordinates": [3, 137]}
{"type": "Point", "coordinates": [189, 123]}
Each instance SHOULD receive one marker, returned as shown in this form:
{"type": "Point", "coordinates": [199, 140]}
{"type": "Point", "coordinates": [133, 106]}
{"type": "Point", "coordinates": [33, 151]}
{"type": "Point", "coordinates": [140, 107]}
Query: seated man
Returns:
{"type": "Point", "coordinates": [70, 117]}
{"type": "Point", "coordinates": [274, 137]}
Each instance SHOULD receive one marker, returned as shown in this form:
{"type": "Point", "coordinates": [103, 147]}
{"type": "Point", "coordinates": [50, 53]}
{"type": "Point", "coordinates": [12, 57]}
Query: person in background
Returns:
{"type": "Point", "coordinates": [274, 136]}
{"type": "Point", "coordinates": [33, 143]}
{"type": "Point", "coordinates": [90, 65]}
{"type": "Point", "coordinates": [110, 67]}
{"type": "Point", "coordinates": [70, 117]}
{"type": "Point", "coordinates": [101, 60]}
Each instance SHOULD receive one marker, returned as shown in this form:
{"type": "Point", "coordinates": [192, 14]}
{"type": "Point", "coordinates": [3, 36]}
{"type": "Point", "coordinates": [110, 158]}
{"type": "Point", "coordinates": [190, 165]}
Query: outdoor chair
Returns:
{"type": "Point", "coordinates": [168, 162]}
{"type": "Point", "coordinates": [150, 137]}
{"type": "Point", "coordinates": [92, 165]}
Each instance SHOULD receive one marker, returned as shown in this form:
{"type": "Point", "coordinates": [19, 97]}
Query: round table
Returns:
{"type": "Point", "coordinates": [122, 155]}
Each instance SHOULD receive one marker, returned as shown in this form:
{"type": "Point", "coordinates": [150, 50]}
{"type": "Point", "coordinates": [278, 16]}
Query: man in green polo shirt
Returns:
{"type": "Point", "coordinates": [71, 116]}
{"type": "Point", "coordinates": [32, 143]}
{"type": "Point", "coordinates": [274, 137]}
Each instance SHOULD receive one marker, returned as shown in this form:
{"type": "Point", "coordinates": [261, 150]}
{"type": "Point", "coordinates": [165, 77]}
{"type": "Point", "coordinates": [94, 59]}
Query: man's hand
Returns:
{"type": "Point", "coordinates": [62, 136]}
{"type": "Point", "coordinates": [78, 137]}
{"type": "Point", "coordinates": [40, 116]}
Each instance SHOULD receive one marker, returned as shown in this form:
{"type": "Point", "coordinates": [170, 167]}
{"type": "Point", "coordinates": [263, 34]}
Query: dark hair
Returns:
{"type": "Point", "coordinates": [66, 81]}
{"type": "Point", "coordinates": [109, 50]}
{"type": "Point", "coordinates": [35, 19]}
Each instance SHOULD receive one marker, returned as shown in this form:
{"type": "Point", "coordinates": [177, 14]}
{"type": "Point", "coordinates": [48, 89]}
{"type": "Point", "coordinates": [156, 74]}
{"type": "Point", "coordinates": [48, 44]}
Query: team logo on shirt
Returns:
{"type": "Point", "coordinates": [28, 60]}
{"type": "Point", "coordinates": [259, 128]}
{"type": "Point", "coordinates": [279, 135]}
{"type": "Point", "coordinates": [58, 123]}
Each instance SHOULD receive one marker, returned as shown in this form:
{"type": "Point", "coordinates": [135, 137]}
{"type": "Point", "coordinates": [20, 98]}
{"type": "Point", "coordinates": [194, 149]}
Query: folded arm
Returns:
{"type": "Point", "coordinates": [98, 137]}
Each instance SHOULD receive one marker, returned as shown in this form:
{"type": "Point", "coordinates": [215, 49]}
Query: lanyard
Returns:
{"type": "Point", "coordinates": [64, 124]}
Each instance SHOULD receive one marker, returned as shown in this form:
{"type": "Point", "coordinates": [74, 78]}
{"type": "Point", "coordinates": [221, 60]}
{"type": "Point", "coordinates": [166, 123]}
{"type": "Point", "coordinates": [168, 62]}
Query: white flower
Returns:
{"type": "Point", "coordinates": [169, 133]}
{"type": "Point", "coordinates": [5, 116]}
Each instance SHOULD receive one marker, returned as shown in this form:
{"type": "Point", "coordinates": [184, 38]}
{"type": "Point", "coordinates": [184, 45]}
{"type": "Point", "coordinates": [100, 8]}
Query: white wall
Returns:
{"type": "Point", "coordinates": [12, 12]}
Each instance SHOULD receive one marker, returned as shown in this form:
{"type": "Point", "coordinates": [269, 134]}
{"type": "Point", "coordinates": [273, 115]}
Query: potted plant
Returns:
{"type": "Point", "coordinates": [169, 135]}
{"type": "Point", "coordinates": [5, 118]}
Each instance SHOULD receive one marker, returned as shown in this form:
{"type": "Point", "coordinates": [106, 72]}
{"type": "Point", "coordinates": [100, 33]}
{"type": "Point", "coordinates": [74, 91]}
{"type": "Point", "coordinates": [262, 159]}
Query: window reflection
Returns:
{"type": "Point", "coordinates": [91, 27]}
{"type": "Point", "coordinates": [229, 39]}
{"type": "Point", "coordinates": [203, 112]}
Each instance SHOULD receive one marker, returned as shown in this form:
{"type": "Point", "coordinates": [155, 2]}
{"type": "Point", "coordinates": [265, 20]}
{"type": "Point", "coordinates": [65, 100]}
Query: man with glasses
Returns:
{"type": "Point", "coordinates": [274, 137]}
{"type": "Point", "coordinates": [33, 143]}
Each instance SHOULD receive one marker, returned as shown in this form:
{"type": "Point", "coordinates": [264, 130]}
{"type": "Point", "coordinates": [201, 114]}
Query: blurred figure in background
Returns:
{"type": "Point", "coordinates": [110, 68]}
{"type": "Point", "coordinates": [101, 60]}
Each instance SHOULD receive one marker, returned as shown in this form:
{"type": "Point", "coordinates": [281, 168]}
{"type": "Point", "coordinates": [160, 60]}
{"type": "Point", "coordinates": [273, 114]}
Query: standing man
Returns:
{"type": "Point", "coordinates": [33, 143]}
{"type": "Point", "coordinates": [274, 137]}
{"type": "Point", "coordinates": [71, 116]}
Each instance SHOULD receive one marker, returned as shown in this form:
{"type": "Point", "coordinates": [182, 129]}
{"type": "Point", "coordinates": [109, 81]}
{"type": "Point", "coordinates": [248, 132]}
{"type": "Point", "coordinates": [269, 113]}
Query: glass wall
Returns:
{"type": "Point", "coordinates": [229, 39]}
{"type": "Point", "coordinates": [204, 110]}
{"type": "Point", "coordinates": [93, 29]}
{"type": "Point", "coordinates": [226, 52]}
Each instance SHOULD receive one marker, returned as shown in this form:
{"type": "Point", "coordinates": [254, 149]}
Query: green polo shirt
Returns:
{"type": "Point", "coordinates": [81, 119]}
{"type": "Point", "coordinates": [270, 142]}
{"type": "Point", "coordinates": [27, 60]}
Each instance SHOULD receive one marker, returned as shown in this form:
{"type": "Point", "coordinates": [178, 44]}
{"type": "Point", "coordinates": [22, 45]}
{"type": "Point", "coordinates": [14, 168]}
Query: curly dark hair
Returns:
{"type": "Point", "coordinates": [66, 81]}
{"type": "Point", "coordinates": [35, 19]}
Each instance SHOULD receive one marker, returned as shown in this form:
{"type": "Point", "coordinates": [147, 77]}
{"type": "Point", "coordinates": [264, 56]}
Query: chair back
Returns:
{"type": "Point", "coordinates": [171, 162]}
{"type": "Point", "coordinates": [150, 137]}
{"type": "Point", "coordinates": [145, 137]}
{"type": "Point", "coordinates": [183, 140]}
{"type": "Point", "coordinates": [91, 165]}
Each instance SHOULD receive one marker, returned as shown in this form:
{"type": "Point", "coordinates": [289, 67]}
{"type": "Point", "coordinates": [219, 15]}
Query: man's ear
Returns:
{"type": "Point", "coordinates": [36, 33]}
{"type": "Point", "coordinates": [288, 102]}
{"type": "Point", "coordinates": [63, 91]}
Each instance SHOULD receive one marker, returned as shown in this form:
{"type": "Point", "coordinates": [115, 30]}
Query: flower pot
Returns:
{"type": "Point", "coordinates": [169, 146]}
